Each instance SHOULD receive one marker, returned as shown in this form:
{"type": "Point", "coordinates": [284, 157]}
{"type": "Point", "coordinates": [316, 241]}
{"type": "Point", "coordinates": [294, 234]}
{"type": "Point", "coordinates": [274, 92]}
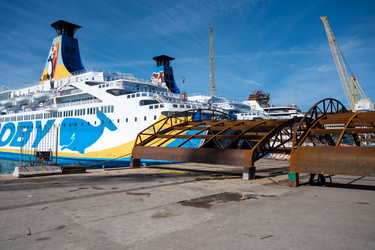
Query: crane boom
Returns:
{"type": "Point", "coordinates": [212, 63]}
{"type": "Point", "coordinates": [349, 82]}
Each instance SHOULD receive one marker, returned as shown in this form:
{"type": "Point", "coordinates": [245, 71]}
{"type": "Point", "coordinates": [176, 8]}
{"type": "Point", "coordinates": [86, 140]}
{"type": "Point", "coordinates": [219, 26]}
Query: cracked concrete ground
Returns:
{"type": "Point", "coordinates": [177, 207]}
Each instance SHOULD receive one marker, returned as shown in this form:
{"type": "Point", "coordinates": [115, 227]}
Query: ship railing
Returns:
{"type": "Point", "coordinates": [115, 74]}
{"type": "Point", "coordinates": [271, 116]}
{"type": "Point", "coordinates": [164, 97]}
{"type": "Point", "coordinates": [68, 92]}
{"type": "Point", "coordinates": [69, 104]}
{"type": "Point", "coordinates": [154, 94]}
{"type": "Point", "coordinates": [219, 99]}
{"type": "Point", "coordinates": [161, 95]}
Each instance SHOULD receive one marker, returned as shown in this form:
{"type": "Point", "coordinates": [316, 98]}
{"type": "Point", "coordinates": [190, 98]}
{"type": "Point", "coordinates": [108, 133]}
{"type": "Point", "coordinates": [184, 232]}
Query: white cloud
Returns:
{"type": "Point", "coordinates": [248, 81]}
{"type": "Point", "coordinates": [184, 16]}
{"type": "Point", "coordinates": [321, 68]}
{"type": "Point", "coordinates": [325, 68]}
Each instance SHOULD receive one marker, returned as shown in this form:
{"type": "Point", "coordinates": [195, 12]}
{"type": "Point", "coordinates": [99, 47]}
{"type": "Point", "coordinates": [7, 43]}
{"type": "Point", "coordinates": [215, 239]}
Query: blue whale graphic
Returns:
{"type": "Point", "coordinates": [77, 134]}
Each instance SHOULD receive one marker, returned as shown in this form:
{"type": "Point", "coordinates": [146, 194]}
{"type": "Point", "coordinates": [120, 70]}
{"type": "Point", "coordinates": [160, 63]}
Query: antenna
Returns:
{"type": "Point", "coordinates": [183, 82]}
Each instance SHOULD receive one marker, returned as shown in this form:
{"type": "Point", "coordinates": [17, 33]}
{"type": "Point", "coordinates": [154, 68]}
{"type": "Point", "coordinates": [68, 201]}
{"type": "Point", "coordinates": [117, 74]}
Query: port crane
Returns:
{"type": "Point", "coordinates": [349, 82]}
{"type": "Point", "coordinates": [212, 63]}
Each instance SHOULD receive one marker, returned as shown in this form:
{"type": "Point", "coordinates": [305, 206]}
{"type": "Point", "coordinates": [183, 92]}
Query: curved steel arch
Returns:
{"type": "Point", "coordinates": [318, 111]}
{"type": "Point", "coordinates": [276, 138]}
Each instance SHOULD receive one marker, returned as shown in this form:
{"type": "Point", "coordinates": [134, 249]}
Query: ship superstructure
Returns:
{"type": "Point", "coordinates": [259, 100]}
{"type": "Point", "coordinates": [241, 110]}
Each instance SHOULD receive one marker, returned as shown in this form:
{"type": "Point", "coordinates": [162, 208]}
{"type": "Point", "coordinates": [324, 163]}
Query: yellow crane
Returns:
{"type": "Point", "coordinates": [349, 82]}
{"type": "Point", "coordinates": [212, 63]}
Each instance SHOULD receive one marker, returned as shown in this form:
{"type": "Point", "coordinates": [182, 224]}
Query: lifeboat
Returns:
{"type": "Point", "coordinates": [41, 96]}
{"type": "Point", "coordinates": [22, 100]}
{"type": "Point", "coordinates": [7, 103]}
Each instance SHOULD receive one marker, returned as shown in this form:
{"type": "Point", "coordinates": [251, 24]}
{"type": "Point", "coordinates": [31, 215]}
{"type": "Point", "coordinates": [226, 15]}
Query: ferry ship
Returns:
{"type": "Point", "coordinates": [259, 100]}
{"type": "Point", "coordinates": [241, 110]}
{"type": "Point", "coordinates": [75, 115]}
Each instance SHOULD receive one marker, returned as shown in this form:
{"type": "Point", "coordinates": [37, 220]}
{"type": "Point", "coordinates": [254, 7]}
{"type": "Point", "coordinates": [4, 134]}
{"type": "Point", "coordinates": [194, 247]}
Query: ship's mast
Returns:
{"type": "Point", "coordinates": [212, 63]}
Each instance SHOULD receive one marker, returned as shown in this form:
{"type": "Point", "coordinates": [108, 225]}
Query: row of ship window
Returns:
{"type": "Point", "coordinates": [156, 106]}
{"type": "Point", "coordinates": [68, 113]}
{"type": "Point", "coordinates": [75, 124]}
{"type": "Point", "coordinates": [136, 118]}
{"type": "Point", "coordinates": [150, 93]}
{"type": "Point", "coordinates": [81, 99]}
{"type": "Point", "coordinates": [80, 112]}
{"type": "Point", "coordinates": [185, 106]}
{"type": "Point", "coordinates": [175, 106]}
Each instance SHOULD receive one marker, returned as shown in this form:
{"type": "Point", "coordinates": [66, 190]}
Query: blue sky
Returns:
{"type": "Point", "coordinates": [279, 46]}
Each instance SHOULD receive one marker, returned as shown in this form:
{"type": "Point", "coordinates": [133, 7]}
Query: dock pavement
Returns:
{"type": "Point", "coordinates": [186, 206]}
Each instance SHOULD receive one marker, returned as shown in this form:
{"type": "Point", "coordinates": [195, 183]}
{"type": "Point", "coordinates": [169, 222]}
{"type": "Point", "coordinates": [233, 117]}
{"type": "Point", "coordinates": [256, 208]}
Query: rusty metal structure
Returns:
{"type": "Point", "coordinates": [331, 140]}
{"type": "Point", "coordinates": [327, 140]}
{"type": "Point", "coordinates": [209, 136]}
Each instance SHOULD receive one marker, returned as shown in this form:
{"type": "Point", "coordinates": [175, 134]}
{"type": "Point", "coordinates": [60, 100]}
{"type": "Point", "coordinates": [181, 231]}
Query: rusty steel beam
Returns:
{"type": "Point", "coordinates": [189, 127]}
{"type": "Point", "coordinates": [365, 139]}
{"type": "Point", "coordinates": [360, 117]}
{"type": "Point", "coordinates": [233, 127]}
{"type": "Point", "coordinates": [355, 120]}
{"type": "Point", "coordinates": [206, 137]}
{"type": "Point", "coordinates": [334, 160]}
{"type": "Point", "coordinates": [322, 131]}
{"type": "Point", "coordinates": [233, 157]}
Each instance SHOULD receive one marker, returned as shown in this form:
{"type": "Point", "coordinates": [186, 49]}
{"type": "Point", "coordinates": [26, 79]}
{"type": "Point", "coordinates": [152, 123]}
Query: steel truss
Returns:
{"type": "Point", "coordinates": [209, 136]}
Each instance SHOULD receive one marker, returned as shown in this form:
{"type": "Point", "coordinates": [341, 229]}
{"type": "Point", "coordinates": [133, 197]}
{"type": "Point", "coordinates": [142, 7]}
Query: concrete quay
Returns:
{"type": "Point", "coordinates": [176, 207]}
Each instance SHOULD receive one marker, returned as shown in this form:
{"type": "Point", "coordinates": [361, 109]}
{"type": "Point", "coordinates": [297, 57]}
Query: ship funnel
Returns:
{"type": "Point", "coordinates": [64, 57]}
{"type": "Point", "coordinates": [163, 74]}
